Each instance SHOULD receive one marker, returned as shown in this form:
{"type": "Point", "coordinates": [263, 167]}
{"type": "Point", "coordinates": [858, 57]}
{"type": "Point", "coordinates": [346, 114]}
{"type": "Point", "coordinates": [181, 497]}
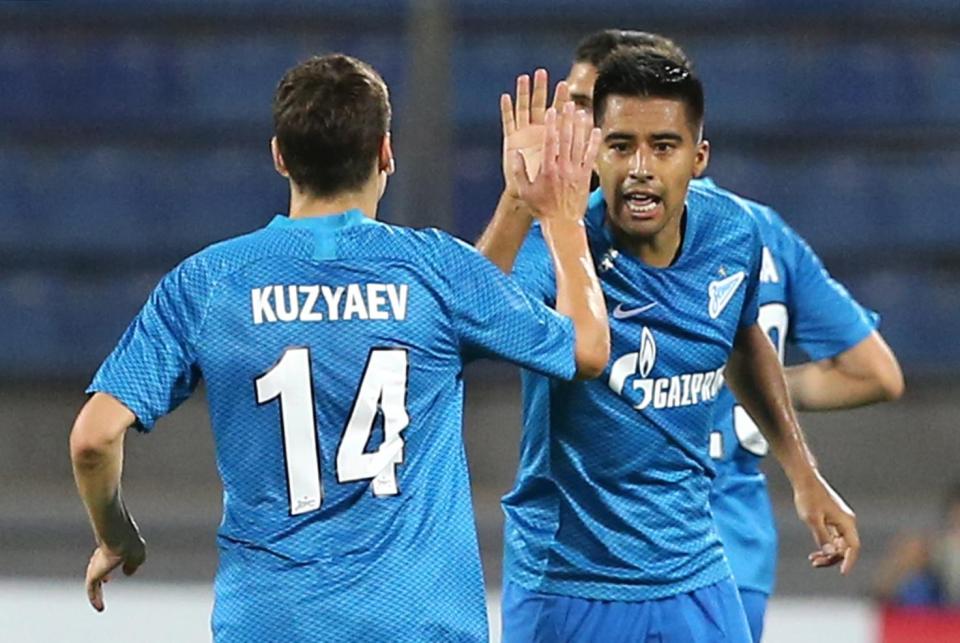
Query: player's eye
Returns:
{"type": "Point", "coordinates": [620, 147]}
{"type": "Point", "coordinates": [663, 148]}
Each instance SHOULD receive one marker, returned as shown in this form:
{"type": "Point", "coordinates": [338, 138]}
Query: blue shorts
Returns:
{"type": "Point", "coordinates": [755, 606]}
{"type": "Point", "coordinates": [707, 615]}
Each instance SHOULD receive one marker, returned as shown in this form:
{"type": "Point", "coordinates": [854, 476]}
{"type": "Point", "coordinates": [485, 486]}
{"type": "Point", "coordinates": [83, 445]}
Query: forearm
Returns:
{"type": "Point", "coordinates": [863, 374]}
{"type": "Point", "coordinates": [96, 451]}
{"type": "Point", "coordinates": [578, 292]}
{"type": "Point", "coordinates": [97, 474]}
{"type": "Point", "coordinates": [504, 235]}
{"type": "Point", "coordinates": [756, 378]}
{"type": "Point", "coordinates": [819, 386]}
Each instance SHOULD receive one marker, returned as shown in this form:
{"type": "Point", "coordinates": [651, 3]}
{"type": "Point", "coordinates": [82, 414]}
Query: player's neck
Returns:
{"type": "Point", "coordinates": [660, 250]}
{"type": "Point", "coordinates": [304, 204]}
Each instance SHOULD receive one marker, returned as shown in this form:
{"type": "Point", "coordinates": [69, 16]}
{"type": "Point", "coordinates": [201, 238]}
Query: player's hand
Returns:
{"type": "Point", "coordinates": [832, 524]}
{"type": "Point", "coordinates": [561, 187]}
{"type": "Point", "coordinates": [523, 125]}
{"type": "Point", "coordinates": [104, 560]}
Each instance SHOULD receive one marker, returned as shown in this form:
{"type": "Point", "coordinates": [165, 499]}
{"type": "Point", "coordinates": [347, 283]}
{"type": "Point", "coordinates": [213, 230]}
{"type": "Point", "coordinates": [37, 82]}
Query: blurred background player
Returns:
{"type": "Point", "coordinates": [800, 305]}
{"type": "Point", "coordinates": [332, 347]}
{"type": "Point", "coordinates": [608, 532]}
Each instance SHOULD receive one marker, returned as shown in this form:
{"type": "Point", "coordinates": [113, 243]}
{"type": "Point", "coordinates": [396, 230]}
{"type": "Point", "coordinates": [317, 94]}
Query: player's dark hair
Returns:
{"type": "Point", "coordinates": [330, 114]}
{"type": "Point", "coordinates": [640, 72]}
{"type": "Point", "coordinates": [595, 47]}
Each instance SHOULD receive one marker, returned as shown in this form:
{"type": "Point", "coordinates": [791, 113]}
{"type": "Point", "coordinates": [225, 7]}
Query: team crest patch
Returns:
{"type": "Point", "coordinates": [721, 292]}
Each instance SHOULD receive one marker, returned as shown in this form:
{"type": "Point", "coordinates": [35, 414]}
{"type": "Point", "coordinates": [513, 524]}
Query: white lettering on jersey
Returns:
{"type": "Point", "coordinates": [332, 297]}
{"type": "Point", "coordinates": [355, 304]}
{"type": "Point", "coordinates": [307, 313]}
{"type": "Point", "coordinates": [684, 389]}
{"type": "Point", "coordinates": [398, 300]}
{"type": "Point", "coordinates": [306, 303]}
{"type": "Point", "coordinates": [262, 311]}
{"type": "Point", "coordinates": [768, 268]}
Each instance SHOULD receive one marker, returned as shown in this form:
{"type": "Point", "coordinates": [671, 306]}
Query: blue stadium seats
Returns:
{"type": "Point", "coordinates": [157, 83]}
{"type": "Point", "coordinates": [123, 203]}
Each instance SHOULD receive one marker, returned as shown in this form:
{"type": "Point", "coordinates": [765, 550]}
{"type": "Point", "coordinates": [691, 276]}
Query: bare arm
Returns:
{"type": "Point", "coordinates": [579, 296]}
{"type": "Point", "coordinates": [96, 450]}
{"type": "Point", "coordinates": [756, 378]}
{"type": "Point", "coordinates": [523, 132]}
{"type": "Point", "coordinates": [864, 374]}
{"type": "Point", "coordinates": [558, 197]}
{"type": "Point", "coordinates": [503, 236]}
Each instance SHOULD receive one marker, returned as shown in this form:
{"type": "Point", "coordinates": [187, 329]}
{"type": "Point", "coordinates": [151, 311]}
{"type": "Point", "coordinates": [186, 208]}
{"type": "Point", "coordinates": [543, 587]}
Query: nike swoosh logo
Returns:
{"type": "Point", "coordinates": [722, 291]}
{"type": "Point", "coordinates": [624, 313]}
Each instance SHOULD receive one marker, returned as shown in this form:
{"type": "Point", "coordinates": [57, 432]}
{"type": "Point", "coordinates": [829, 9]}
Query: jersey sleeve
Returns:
{"type": "Point", "coordinates": [493, 315]}
{"type": "Point", "coordinates": [153, 367]}
{"type": "Point", "coordinates": [825, 320]}
{"type": "Point", "coordinates": [751, 300]}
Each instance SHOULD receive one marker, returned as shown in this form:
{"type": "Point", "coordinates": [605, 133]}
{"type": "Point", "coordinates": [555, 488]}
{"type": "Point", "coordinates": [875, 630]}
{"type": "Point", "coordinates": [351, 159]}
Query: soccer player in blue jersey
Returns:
{"type": "Point", "coordinates": [800, 304]}
{"type": "Point", "coordinates": [332, 348]}
{"type": "Point", "coordinates": [608, 533]}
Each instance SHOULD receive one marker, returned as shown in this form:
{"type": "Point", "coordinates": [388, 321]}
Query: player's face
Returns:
{"type": "Point", "coordinates": [649, 153]}
{"type": "Point", "coordinates": [580, 79]}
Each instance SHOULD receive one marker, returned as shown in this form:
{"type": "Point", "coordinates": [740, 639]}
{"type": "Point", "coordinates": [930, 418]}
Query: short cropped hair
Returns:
{"type": "Point", "coordinates": [595, 47]}
{"type": "Point", "coordinates": [330, 115]}
{"type": "Point", "coordinates": [641, 72]}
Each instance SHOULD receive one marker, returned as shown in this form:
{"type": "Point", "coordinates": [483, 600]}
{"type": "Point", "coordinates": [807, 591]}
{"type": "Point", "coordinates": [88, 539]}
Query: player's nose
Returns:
{"type": "Point", "coordinates": [640, 167]}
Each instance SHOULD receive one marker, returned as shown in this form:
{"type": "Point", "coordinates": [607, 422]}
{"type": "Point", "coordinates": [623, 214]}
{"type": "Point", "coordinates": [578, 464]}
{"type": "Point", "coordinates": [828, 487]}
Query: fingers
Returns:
{"type": "Point", "coordinates": [849, 534]}
{"type": "Point", "coordinates": [538, 105]}
{"type": "Point", "coordinates": [506, 115]}
{"type": "Point", "coordinates": [567, 127]}
{"type": "Point", "coordinates": [518, 168]}
{"type": "Point", "coordinates": [97, 570]}
{"type": "Point", "coordinates": [561, 95]}
{"type": "Point", "coordinates": [523, 101]}
{"type": "Point", "coordinates": [551, 142]}
{"type": "Point", "coordinates": [838, 540]}
{"type": "Point", "coordinates": [130, 568]}
{"type": "Point", "coordinates": [579, 137]}
{"type": "Point", "coordinates": [593, 148]}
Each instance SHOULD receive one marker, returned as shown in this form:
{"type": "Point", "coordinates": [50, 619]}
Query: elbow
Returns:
{"type": "Point", "coordinates": [87, 449]}
{"type": "Point", "coordinates": [891, 384]}
{"type": "Point", "coordinates": [592, 360]}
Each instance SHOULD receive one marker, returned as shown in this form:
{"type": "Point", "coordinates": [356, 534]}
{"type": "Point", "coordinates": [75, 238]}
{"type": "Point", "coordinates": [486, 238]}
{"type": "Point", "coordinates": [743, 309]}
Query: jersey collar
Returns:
{"type": "Point", "coordinates": [326, 223]}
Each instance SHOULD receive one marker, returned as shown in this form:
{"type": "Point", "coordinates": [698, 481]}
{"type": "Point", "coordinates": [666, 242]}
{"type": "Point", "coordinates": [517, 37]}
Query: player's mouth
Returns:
{"type": "Point", "coordinates": [642, 204]}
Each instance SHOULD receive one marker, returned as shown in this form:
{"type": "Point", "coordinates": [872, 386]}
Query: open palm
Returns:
{"type": "Point", "coordinates": [523, 126]}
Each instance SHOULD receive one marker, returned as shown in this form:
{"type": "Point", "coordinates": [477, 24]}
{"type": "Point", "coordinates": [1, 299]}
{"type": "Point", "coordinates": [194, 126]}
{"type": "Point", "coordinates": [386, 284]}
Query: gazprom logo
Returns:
{"type": "Point", "coordinates": [684, 389]}
{"type": "Point", "coordinates": [648, 352]}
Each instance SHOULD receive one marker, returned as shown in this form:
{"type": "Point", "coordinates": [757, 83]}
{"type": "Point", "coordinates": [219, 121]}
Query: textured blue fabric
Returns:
{"type": "Point", "coordinates": [711, 614]}
{"type": "Point", "coordinates": [755, 607]}
{"type": "Point", "coordinates": [369, 561]}
{"type": "Point", "coordinates": [800, 304]}
{"type": "Point", "coordinates": [611, 500]}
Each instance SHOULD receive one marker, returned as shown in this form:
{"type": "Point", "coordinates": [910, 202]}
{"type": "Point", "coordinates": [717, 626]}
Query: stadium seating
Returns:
{"type": "Point", "coordinates": [140, 136]}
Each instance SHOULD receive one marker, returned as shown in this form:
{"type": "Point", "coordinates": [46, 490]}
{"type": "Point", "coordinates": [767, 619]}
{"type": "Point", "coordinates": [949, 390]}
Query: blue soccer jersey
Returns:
{"type": "Point", "coordinates": [802, 305]}
{"type": "Point", "coordinates": [332, 351]}
{"type": "Point", "coordinates": [611, 500]}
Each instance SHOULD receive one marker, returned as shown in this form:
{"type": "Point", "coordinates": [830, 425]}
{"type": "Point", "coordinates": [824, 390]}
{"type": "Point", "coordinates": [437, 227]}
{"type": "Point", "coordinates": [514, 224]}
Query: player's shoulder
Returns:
{"type": "Point", "coordinates": [230, 255]}
{"type": "Point", "coordinates": [773, 229]}
{"type": "Point", "coordinates": [720, 216]}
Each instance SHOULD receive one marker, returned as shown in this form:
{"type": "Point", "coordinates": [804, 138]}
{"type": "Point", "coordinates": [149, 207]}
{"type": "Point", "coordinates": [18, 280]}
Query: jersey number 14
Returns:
{"type": "Point", "coordinates": [382, 389]}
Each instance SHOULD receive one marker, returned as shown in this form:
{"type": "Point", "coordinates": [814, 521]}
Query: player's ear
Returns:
{"type": "Point", "coordinates": [702, 158]}
{"type": "Point", "coordinates": [386, 163]}
{"type": "Point", "coordinates": [278, 163]}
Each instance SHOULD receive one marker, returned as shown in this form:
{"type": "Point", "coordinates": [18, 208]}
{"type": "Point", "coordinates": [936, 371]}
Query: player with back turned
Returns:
{"type": "Point", "coordinates": [332, 348]}
{"type": "Point", "coordinates": [608, 532]}
{"type": "Point", "coordinates": [800, 305]}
